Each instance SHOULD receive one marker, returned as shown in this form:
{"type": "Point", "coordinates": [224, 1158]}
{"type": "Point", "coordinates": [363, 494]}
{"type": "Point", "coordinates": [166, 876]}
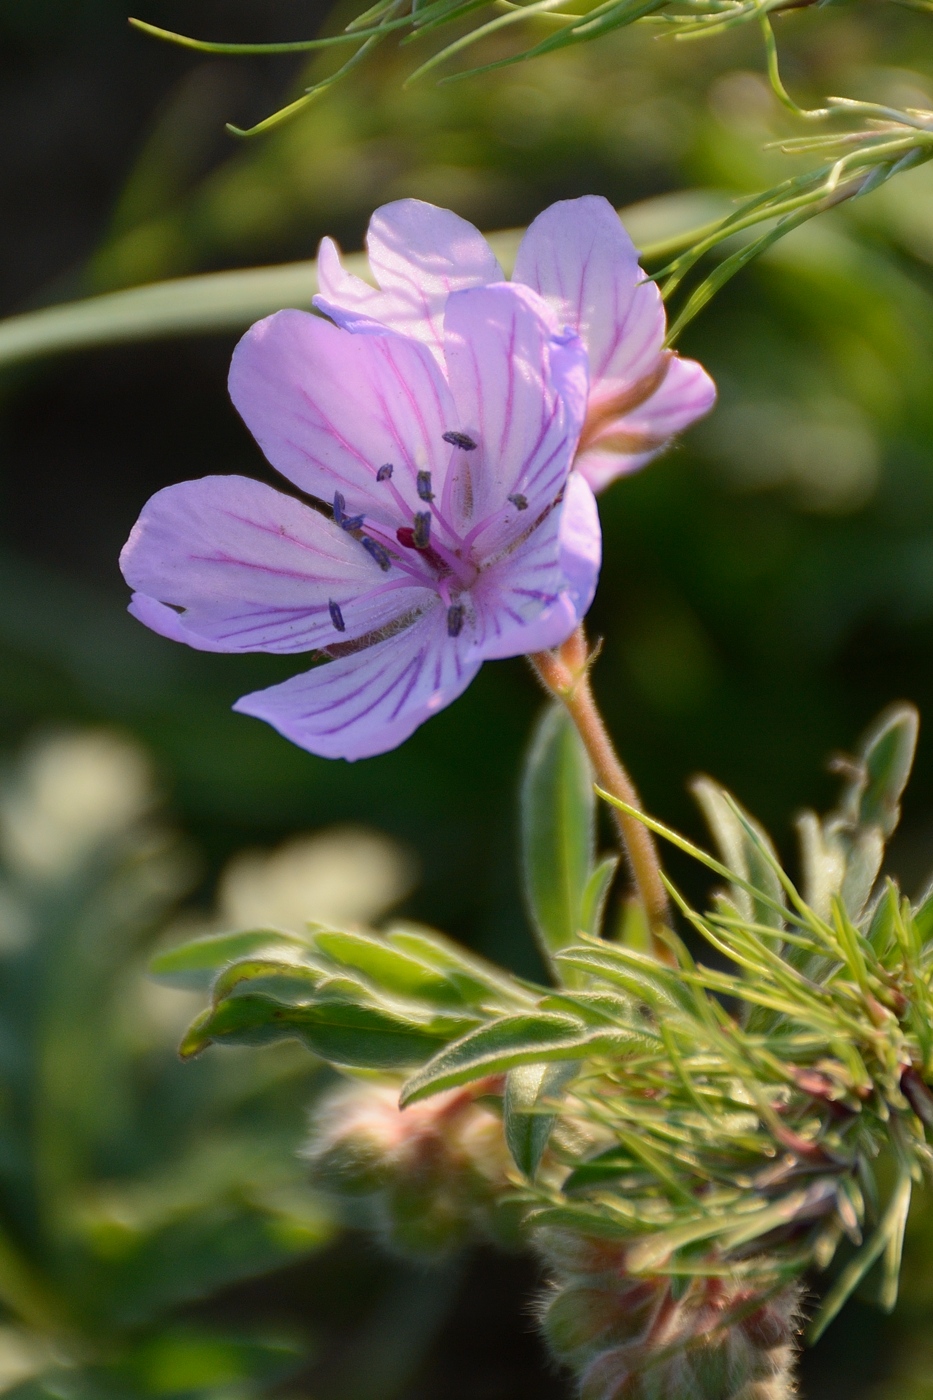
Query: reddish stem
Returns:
{"type": "Point", "coordinates": [565, 673]}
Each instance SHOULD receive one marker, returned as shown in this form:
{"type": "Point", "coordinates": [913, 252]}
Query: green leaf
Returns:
{"type": "Point", "coordinates": [639, 974]}
{"type": "Point", "coordinates": [595, 894]}
{"type": "Point", "coordinates": [744, 847]}
{"type": "Point", "coordinates": [887, 755]}
{"type": "Point", "coordinates": [558, 830]}
{"type": "Point", "coordinates": [527, 1125]}
{"type": "Point", "coordinates": [340, 1031]}
{"type": "Point", "coordinates": [602, 1170]}
{"type": "Point", "coordinates": [512, 1040]}
{"type": "Point", "coordinates": [887, 1238]}
{"type": "Point", "coordinates": [480, 983]}
{"type": "Point", "coordinates": [390, 968]}
{"type": "Point", "coordinates": [923, 915]}
{"type": "Point", "coordinates": [195, 964]}
{"type": "Point", "coordinates": [201, 305]}
{"type": "Point", "coordinates": [843, 853]}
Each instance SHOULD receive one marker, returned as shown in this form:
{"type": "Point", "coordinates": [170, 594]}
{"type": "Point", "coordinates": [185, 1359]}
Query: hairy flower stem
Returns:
{"type": "Point", "coordinates": [565, 673]}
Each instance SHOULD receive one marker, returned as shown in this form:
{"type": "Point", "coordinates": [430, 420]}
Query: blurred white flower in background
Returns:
{"type": "Point", "coordinates": [70, 793]}
{"type": "Point", "coordinates": [342, 875]}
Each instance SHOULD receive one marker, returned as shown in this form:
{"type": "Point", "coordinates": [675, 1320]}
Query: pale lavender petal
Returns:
{"type": "Point", "coordinates": [623, 444]}
{"type": "Point", "coordinates": [158, 617]}
{"type": "Point", "coordinates": [519, 384]}
{"type": "Point", "coordinates": [329, 409]}
{"type": "Point", "coordinates": [255, 570]}
{"type": "Point", "coordinates": [419, 254]}
{"type": "Point", "coordinates": [579, 257]}
{"type": "Point", "coordinates": [371, 701]}
{"type": "Point", "coordinates": [534, 597]}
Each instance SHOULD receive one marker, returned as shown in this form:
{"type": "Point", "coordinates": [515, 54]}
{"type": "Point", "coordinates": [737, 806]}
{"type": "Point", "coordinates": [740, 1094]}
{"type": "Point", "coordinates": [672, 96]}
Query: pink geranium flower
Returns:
{"type": "Point", "coordinates": [580, 259]}
{"type": "Point", "coordinates": [456, 532]}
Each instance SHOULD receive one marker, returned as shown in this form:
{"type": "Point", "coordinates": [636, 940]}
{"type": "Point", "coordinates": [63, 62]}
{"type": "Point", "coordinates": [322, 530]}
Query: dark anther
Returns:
{"type": "Point", "coordinates": [377, 552]}
{"type": "Point", "coordinates": [455, 620]}
{"type": "Point", "coordinates": [385, 471]}
{"type": "Point", "coordinates": [421, 535]}
{"type": "Point", "coordinates": [336, 616]}
{"type": "Point", "coordinates": [519, 501]}
{"type": "Point", "coordinates": [466, 444]}
{"type": "Point", "coordinates": [346, 522]}
{"type": "Point", "coordinates": [424, 486]}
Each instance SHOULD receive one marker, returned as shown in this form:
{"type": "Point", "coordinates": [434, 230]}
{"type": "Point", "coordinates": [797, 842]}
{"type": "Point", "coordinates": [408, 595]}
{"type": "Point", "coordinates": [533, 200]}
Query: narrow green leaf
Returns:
{"type": "Point", "coordinates": [595, 894]}
{"type": "Point", "coordinates": [558, 830]}
{"type": "Point", "coordinates": [640, 974]}
{"type": "Point", "coordinates": [890, 1226]}
{"type": "Point", "coordinates": [887, 756]}
{"type": "Point", "coordinates": [286, 980]}
{"type": "Point", "coordinates": [340, 1031]}
{"type": "Point", "coordinates": [742, 854]}
{"type": "Point", "coordinates": [923, 915]}
{"type": "Point", "coordinates": [527, 1126]}
{"type": "Point", "coordinates": [195, 964]}
{"type": "Point", "coordinates": [480, 982]}
{"type": "Point", "coordinates": [513, 1040]}
{"type": "Point", "coordinates": [599, 1171]}
{"type": "Point", "coordinates": [389, 968]}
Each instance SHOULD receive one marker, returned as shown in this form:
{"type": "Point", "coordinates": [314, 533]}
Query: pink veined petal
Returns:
{"type": "Point", "coordinates": [685, 394]}
{"type": "Point", "coordinates": [534, 597]}
{"type": "Point", "coordinates": [160, 618]}
{"type": "Point", "coordinates": [579, 257]}
{"type": "Point", "coordinates": [329, 409]}
{"type": "Point", "coordinates": [519, 384]}
{"type": "Point", "coordinates": [255, 570]}
{"type": "Point", "coordinates": [419, 254]}
{"type": "Point", "coordinates": [371, 701]}
{"type": "Point", "coordinates": [347, 299]}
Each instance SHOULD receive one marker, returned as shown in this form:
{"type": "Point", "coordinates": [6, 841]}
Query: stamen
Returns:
{"type": "Point", "coordinates": [377, 552]}
{"type": "Point", "coordinates": [385, 471]}
{"type": "Point", "coordinates": [455, 620]}
{"type": "Point", "coordinates": [336, 616]}
{"type": "Point", "coordinates": [424, 486]}
{"type": "Point", "coordinates": [346, 522]}
{"type": "Point", "coordinates": [519, 501]}
{"type": "Point", "coordinates": [421, 535]}
{"type": "Point", "coordinates": [461, 440]}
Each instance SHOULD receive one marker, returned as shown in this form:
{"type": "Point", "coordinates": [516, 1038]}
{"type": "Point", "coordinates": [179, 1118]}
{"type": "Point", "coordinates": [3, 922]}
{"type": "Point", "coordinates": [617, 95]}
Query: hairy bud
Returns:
{"type": "Point", "coordinates": [432, 1174]}
{"type": "Point", "coordinates": [641, 1337]}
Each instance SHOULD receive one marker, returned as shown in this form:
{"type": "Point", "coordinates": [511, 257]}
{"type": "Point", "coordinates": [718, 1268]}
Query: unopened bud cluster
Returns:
{"type": "Point", "coordinates": [430, 1178]}
{"type": "Point", "coordinates": [642, 1337]}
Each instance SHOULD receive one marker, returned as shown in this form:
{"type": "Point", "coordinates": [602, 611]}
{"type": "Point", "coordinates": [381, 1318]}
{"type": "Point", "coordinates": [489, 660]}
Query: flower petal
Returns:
{"type": "Point", "coordinates": [519, 384]}
{"type": "Point", "coordinates": [329, 409]}
{"type": "Point", "coordinates": [255, 570]}
{"type": "Point", "coordinates": [419, 254]}
{"type": "Point", "coordinates": [371, 701]}
{"type": "Point", "coordinates": [579, 257]}
{"type": "Point", "coordinates": [625, 443]}
{"type": "Point", "coordinates": [534, 597]}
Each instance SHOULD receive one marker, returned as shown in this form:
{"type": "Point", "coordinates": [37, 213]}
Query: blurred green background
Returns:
{"type": "Point", "coordinates": [768, 586]}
